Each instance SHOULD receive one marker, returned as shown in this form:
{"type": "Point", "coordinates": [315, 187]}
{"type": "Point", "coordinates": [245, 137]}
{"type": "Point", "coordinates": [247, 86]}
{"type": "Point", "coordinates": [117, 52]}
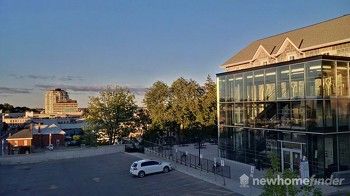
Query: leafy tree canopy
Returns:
{"type": "Point", "coordinates": [110, 111]}
{"type": "Point", "coordinates": [184, 104]}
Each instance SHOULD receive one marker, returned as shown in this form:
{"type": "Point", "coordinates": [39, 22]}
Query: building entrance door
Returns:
{"type": "Point", "coordinates": [291, 159]}
{"type": "Point", "coordinates": [291, 154]}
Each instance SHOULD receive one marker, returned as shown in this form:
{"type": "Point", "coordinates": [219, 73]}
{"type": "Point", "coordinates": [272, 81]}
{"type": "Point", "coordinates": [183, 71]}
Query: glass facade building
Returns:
{"type": "Point", "coordinates": [294, 109]}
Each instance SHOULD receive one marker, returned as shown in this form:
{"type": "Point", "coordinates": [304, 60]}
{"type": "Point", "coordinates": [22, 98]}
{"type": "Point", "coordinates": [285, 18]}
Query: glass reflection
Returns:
{"type": "Point", "coordinates": [297, 81]}
{"type": "Point", "coordinates": [313, 79]}
{"type": "Point", "coordinates": [259, 85]}
{"type": "Point", "coordinates": [283, 82]}
{"type": "Point", "coordinates": [238, 87]}
{"type": "Point", "coordinates": [329, 72]}
{"type": "Point", "coordinates": [270, 84]}
{"type": "Point", "coordinates": [342, 79]}
{"type": "Point", "coordinates": [248, 86]}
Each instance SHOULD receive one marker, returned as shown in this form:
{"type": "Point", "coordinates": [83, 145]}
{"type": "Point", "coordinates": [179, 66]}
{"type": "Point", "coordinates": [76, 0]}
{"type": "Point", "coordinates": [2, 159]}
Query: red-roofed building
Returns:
{"type": "Point", "coordinates": [20, 142]}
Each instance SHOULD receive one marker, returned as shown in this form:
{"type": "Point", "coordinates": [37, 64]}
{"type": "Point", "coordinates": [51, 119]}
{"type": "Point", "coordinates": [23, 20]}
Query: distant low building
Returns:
{"type": "Point", "coordinates": [18, 119]}
{"type": "Point", "coordinates": [44, 135]}
{"type": "Point", "coordinates": [20, 142]}
{"type": "Point", "coordinates": [70, 125]}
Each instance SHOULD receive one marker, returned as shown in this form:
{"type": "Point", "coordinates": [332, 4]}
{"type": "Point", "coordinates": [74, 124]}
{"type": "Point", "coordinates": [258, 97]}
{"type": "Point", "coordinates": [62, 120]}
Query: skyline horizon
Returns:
{"type": "Point", "coordinates": [138, 92]}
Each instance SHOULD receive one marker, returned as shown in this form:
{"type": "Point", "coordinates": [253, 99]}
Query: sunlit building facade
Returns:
{"type": "Point", "coordinates": [57, 101]}
{"type": "Point", "coordinates": [289, 94]}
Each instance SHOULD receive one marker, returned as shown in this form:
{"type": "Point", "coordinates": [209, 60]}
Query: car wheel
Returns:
{"type": "Point", "coordinates": [166, 169]}
{"type": "Point", "coordinates": [141, 174]}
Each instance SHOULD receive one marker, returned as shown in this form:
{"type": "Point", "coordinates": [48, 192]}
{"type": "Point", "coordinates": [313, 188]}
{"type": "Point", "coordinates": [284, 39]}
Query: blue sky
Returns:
{"type": "Point", "coordinates": [85, 45]}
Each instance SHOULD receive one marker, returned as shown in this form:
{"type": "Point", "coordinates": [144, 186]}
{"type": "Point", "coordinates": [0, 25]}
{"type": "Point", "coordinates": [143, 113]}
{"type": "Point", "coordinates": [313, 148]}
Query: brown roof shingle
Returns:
{"type": "Point", "coordinates": [321, 33]}
{"type": "Point", "coordinates": [25, 133]}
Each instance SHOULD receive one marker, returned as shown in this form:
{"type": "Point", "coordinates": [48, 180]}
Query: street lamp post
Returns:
{"type": "Point", "coordinates": [199, 151]}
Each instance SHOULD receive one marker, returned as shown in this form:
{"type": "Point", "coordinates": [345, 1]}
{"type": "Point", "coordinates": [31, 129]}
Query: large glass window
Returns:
{"type": "Point", "coordinates": [314, 114]}
{"type": "Point", "coordinates": [330, 148]}
{"type": "Point", "coordinates": [329, 72]}
{"type": "Point", "coordinates": [223, 110]}
{"type": "Point", "coordinates": [238, 87]}
{"type": "Point", "coordinates": [259, 85]}
{"type": "Point", "coordinates": [248, 86]}
{"type": "Point", "coordinates": [270, 84]}
{"type": "Point", "coordinates": [229, 114]}
{"type": "Point", "coordinates": [316, 153]}
{"type": "Point", "coordinates": [250, 114]}
{"type": "Point", "coordinates": [238, 114]}
{"type": "Point", "coordinates": [313, 79]}
{"type": "Point", "coordinates": [230, 88]}
{"type": "Point", "coordinates": [222, 86]}
{"type": "Point", "coordinates": [230, 141]}
{"type": "Point", "coordinates": [283, 86]}
{"type": "Point", "coordinates": [260, 119]}
{"type": "Point", "coordinates": [298, 114]}
{"type": "Point", "coordinates": [344, 151]}
{"type": "Point", "coordinates": [330, 116]}
{"type": "Point", "coordinates": [297, 81]}
{"type": "Point", "coordinates": [343, 106]}
{"type": "Point", "coordinates": [342, 79]}
{"type": "Point", "coordinates": [223, 132]}
{"type": "Point", "coordinates": [283, 114]}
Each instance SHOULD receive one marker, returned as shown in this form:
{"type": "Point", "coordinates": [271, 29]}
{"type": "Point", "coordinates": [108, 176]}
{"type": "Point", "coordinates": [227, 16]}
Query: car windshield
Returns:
{"type": "Point", "coordinates": [134, 165]}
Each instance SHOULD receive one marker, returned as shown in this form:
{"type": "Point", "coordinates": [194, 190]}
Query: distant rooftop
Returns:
{"type": "Point", "coordinates": [25, 133]}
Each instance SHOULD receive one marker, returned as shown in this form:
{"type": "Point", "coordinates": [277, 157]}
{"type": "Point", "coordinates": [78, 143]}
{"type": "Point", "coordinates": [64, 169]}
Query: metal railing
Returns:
{"type": "Point", "coordinates": [187, 159]}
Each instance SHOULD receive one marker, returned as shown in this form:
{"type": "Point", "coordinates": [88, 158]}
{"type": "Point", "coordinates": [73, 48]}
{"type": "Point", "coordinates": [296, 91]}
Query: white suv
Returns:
{"type": "Point", "coordinates": [142, 167]}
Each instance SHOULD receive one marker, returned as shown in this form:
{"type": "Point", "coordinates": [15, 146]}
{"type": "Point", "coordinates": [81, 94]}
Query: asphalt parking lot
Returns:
{"type": "Point", "coordinates": [99, 175]}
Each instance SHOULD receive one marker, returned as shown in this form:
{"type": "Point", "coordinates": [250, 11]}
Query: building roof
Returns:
{"type": "Point", "coordinates": [23, 134]}
{"type": "Point", "coordinates": [47, 129]}
{"type": "Point", "coordinates": [63, 123]}
{"type": "Point", "coordinates": [305, 38]}
{"type": "Point", "coordinates": [78, 125]}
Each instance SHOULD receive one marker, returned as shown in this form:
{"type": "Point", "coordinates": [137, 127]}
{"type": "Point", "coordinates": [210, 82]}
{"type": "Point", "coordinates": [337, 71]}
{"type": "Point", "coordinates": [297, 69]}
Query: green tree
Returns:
{"type": "Point", "coordinates": [273, 173]}
{"type": "Point", "coordinates": [290, 190]}
{"type": "Point", "coordinates": [76, 138]}
{"type": "Point", "coordinates": [89, 138]}
{"type": "Point", "coordinates": [110, 111]}
{"type": "Point", "coordinates": [186, 108]}
{"type": "Point", "coordinates": [156, 100]}
{"type": "Point", "coordinates": [142, 119]}
{"type": "Point", "coordinates": [207, 114]}
{"type": "Point", "coordinates": [184, 104]}
{"type": "Point", "coordinates": [8, 108]}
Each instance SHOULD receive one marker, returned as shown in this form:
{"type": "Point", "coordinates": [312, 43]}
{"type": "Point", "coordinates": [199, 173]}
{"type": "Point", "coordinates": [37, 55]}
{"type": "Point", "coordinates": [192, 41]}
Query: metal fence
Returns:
{"type": "Point", "coordinates": [188, 159]}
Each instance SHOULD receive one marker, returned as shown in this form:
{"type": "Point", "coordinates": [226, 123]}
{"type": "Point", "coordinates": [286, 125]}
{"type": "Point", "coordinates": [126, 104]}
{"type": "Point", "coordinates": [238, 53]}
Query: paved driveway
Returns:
{"type": "Point", "coordinates": [99, 175]}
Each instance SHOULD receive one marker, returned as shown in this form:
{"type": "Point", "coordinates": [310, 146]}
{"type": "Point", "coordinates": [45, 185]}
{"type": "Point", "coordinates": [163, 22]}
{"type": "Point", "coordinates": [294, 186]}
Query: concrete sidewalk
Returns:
{"type": "Point", "coordinates": [231, 184]}
{"type": "Point", "coordinates": [60, 154]}
{"type": "Point", "coordinates": [211, 151]}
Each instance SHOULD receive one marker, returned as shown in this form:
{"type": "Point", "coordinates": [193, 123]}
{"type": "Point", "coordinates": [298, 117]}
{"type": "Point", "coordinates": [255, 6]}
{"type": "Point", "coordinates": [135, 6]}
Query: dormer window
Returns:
{"type": "Point", "coordinates": [291, 58]}
{"type": "Point", "coordinates": [265, 63]}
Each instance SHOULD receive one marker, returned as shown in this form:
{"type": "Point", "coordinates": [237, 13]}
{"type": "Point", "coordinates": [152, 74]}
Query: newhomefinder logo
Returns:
{"type": "Point", "coordinates": [244, 181]}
